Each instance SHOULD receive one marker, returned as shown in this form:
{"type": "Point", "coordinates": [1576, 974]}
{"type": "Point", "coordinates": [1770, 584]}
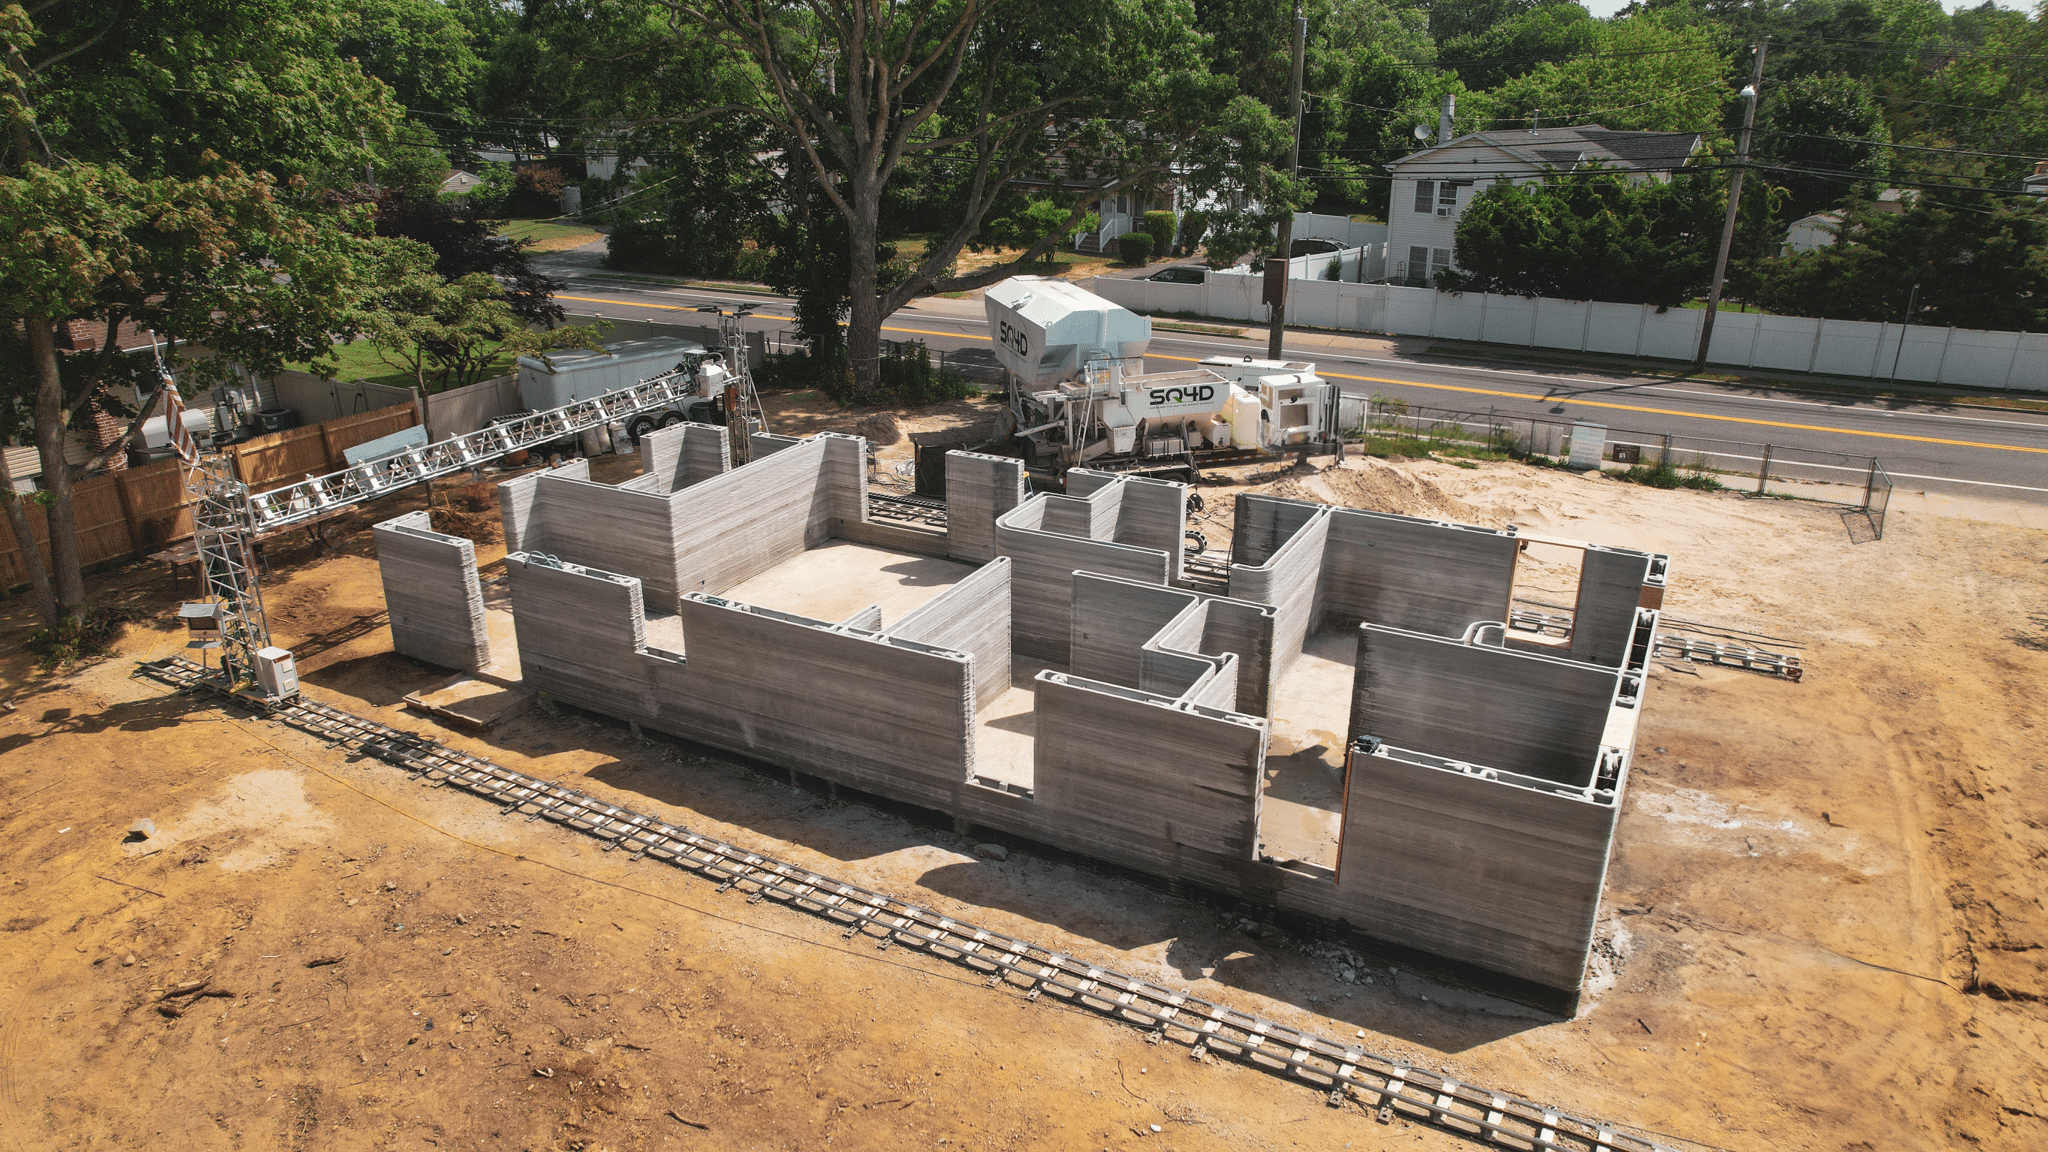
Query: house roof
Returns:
{"type": "Point", "coordinates": [1569, 147]}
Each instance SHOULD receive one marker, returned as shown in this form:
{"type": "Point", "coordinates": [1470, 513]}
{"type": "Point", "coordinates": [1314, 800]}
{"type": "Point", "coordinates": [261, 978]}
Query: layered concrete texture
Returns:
{"type": "Point", "coordinates": [432, 594]}
{"type": "Point", "coordinates": [1132, 716]}
{"type": "Point", "coordinates": [707, 536]}
{"type": "Point", "coordinates": [683, 454]}
{"type": "Point", "coordinates": [1500, 872]}
{"type": "Point", "coordinates": [979, 488]}
{"type": "Point", "coordinates": [1611, 582]}
{"type": "Point", "coordinates": [1519, 712]}
{"type": "Point", "coordinates": [1426, 575]}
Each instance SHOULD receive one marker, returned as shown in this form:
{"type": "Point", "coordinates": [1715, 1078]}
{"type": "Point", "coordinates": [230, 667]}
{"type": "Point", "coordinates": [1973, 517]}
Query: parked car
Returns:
{"type": "Point", "coordinates": [1180, 274]}
{"type": "Point", "coordinates": [1313, 247]}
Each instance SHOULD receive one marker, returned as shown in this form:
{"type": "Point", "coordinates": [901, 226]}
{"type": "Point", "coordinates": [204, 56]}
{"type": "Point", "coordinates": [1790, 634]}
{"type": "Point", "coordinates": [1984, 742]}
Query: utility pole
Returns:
{"type": "Point", "coordinates": [1756, 79]}
{"type": "Point", "coordinates": [1276, 289]}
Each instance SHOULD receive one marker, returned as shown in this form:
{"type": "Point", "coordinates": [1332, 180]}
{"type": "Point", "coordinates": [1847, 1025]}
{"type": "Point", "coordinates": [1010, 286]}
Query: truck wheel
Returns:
{"type": "Point", "coordinates": [671, 419]}
{"type": "Point", "coordinates": [641, 426]}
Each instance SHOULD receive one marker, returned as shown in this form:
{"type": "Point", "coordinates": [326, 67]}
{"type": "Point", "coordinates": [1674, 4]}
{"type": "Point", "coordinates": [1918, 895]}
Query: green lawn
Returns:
{"type": "Point", "coordinates": [549, 236]}
{"type": "Point", "coordinates": [360, 361]}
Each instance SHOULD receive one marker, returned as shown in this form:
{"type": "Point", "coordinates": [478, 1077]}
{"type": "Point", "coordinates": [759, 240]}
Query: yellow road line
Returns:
{"type": "Point", "coordinates": [1657, 411]}
{"type": "Point", "coordinates": [1493, 392]}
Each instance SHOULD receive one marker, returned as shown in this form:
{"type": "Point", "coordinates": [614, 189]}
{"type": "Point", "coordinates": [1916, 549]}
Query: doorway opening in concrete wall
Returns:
{"type": "Point", "coordinates": [1301, 811]}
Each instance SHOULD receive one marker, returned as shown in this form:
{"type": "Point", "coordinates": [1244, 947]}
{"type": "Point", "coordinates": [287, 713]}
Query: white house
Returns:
{"type": "Point", "coordinates": [1824, 228]}
{"type": "Point", "coordinates": [2037, 184]}
{"type": "Point", "coordinates": [1432, 187]}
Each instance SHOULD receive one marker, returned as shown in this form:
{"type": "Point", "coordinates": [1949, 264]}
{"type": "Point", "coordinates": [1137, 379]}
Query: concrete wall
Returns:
{"type": "Point", "coordinates": [521, 515]}
{"type": "Point", "coordinates": [1423, 575]}
{"type": "Point", "coordinates": [972, 616]}
{"type": "Point", "coordinates": [431, 593]}
{"type": "Point", "coordinates": [1261, 524]}
{"type": "Point", "coordinates": [890, 715]}
{"type": "Point", "coordinates": [1514, 711]}
{"type": "Point", "coordinates": [706, 537]}
{"type": "Point", "coordinates": [1115, 619]}
{"type": "Point", "coordinates": [1155, 515]}
{"type": "Point", "coordinates": [979, 488]}
{"type": "Point", "coordinates": [1291, 580]}
{"type": "Point", "coordinates": [683, 455]}
{"type": "Point", "coordinates": [1604, 616]}
{"type": "Point", "coordinates": [1042, 581]}
{"type": "Point", "coordinates": [1123, 775]}
{"type": "Point", "coordinates": [1496, 874]}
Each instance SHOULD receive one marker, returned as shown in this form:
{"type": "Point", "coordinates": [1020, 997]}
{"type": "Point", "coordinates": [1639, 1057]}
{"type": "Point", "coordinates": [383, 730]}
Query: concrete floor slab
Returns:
{"type": "Point", "coordinates": [1301, 814]}
{"type": "Point", "coordinates": [839, 578]}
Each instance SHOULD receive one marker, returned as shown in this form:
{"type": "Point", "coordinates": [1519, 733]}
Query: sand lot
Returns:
{"type": "Point", "coordinates": [1823, 926]}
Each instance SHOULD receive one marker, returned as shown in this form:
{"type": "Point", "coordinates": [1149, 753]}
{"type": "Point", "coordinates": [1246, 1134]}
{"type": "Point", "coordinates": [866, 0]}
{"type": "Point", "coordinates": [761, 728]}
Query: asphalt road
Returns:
{"type": "Point", "coordinates": [1946, 449]}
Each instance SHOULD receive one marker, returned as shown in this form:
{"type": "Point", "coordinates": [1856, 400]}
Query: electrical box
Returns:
{"type": "Point", "coordinates": [277, 673]}
{"type": "Point", "coordinates": [202, 625]}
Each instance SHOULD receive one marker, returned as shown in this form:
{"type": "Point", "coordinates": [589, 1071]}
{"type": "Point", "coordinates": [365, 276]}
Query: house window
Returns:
{"type": "Point", "coordinates": [1418, 262]}
{"type": "Point", "coordinates": [1425, 195]}
{"type": "Point", "coordinates": [1447, 196]}
{"type": "Point", "coordinates": [1439, 260]}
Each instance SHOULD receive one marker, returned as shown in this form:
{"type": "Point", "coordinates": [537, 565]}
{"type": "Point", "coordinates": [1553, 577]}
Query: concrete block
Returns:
{"type": "Point", "coordinates": [431, 593]}
{"type": "Point", "coordinates": [1517, 712]}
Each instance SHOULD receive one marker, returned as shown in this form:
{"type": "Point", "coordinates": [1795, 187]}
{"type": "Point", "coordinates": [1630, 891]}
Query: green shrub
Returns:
{"type": "Point", "coordinates": [1134, 247]}
{"type": "Point", "coordinates": [1193, 226]}
{"type": "Point", "coordinates": [1159, 226]}
{"type": "Point", "coordinates": [1663, 474]}
{"type": "Point", "coordinates": [1336, 269]}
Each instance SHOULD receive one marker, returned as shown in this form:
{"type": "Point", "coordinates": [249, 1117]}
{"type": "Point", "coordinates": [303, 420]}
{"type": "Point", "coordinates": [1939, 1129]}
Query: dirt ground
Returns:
{"type": "Point", "coordinates": [1823, 925]}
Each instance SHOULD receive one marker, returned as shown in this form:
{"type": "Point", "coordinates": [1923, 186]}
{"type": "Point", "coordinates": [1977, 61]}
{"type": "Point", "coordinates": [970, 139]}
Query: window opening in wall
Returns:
{"type": "Point", "coordinates": [1425, 195]}
{"type": "Point", "coordinates": [1439, 261]}
{"type": "Point", "coordinates": [1446, 198]}
{"type": "Point", "coordinates": [1418, 262]}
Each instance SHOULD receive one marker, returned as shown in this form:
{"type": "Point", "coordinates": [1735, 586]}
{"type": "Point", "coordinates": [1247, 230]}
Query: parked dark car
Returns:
{"type": "Point", "coordinates": [1182, 274]}
{"type": "Point", "coordinates": [1313, 247]}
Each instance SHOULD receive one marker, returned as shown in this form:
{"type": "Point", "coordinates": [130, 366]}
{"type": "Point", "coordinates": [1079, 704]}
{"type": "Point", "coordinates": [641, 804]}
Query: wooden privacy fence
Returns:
{"type": "Point", "coordinates": [295, 452]}
{"type": "Point", "coordinates": [119, 514]}
{"type": "Point", "coordinates": [140, 510]}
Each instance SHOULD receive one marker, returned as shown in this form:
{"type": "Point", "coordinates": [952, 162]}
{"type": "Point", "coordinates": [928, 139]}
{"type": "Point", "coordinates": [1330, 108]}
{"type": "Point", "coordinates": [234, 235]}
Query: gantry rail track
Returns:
{"type": "Point", "coordinates": [1388, 1087]}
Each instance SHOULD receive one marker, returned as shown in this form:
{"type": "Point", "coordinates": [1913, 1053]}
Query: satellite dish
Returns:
{"type": "Point", "coordinates": [1422, 131]}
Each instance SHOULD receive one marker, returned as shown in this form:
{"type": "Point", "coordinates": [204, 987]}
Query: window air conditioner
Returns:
{"type": "Point", "coordinates": [1443, 211]}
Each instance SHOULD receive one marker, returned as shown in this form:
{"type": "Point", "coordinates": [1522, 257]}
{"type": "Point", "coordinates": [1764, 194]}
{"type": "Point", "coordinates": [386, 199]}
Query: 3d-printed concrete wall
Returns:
{"type": "Point", "coordinates": [1610, 591]}
{"type": "Point", "coordinates": [431, 592]}
{"type": "Point", "coordinates": [979, 488]}
{"type": "Point", "coordinates": [1042, 581]}
{"type": "Point", "coordinates": [972, 616]}
{"type": "Point", "coordinates": [1519, 712]}
{"type": "Point", "coordinates": [683, 454]}
{"type": "Point", "coordinates": [1504, 873]}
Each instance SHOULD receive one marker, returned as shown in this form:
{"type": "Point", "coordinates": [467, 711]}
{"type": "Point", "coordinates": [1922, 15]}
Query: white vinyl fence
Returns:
{"type": "Point", "coordinates": [1742, 339]}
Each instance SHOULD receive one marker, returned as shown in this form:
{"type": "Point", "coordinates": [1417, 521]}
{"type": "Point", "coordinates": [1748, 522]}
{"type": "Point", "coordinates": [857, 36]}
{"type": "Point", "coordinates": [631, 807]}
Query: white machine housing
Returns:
{"type": "Point", "coordinates": [1079, 392]}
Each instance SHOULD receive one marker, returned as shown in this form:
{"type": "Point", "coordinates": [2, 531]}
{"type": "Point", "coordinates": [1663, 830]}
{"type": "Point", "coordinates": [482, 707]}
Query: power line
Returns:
{"type": "Point", "coordinates": [1907, 147]}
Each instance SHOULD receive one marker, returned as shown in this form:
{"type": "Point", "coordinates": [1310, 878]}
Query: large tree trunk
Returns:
{"type": "Point", "coordinates": [865, 316]}
{"type": "Point", "coordinates": [50, 427]}
{"type": "Point", "coordinates": [31, 556]}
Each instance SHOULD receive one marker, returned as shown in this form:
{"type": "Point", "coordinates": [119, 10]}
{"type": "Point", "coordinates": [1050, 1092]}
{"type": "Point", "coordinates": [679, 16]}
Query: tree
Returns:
{"type": "Point", "coordinates": [1098, 96]}
{"type": "Point", "coordinates": [1979, 260]}
{"type": "Point", "coordinates": [1640, 73]}
{"type": "Point", "coordinates": [1592, 235]}
{"type": "Point", "coordinates": [1828, 124]}
{"type": "Point", "coordinates": [464, 245]}
{"type": "Point", "coordinates": [114, 208]}
{"type": "Point", "coordinates": [447, 332]}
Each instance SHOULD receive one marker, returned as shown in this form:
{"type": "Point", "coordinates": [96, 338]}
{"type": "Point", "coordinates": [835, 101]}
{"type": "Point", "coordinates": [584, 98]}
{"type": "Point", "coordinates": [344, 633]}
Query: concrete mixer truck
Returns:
{"type": "Point", "coordinates": [1080, 395]}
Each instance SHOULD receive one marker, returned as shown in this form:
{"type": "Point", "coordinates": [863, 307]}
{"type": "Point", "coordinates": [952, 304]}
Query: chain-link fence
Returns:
{"type": "Point", "coordinates": [1664, 459]}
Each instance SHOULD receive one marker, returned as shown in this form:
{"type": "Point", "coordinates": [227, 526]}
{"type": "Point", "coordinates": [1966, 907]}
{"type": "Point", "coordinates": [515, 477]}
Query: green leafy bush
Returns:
{"type": "Point", "coordinates": [1134, 247]}
{"type": "Point", "coordinates": [1193, 226]}
{"type": "Point", "coordinates": [1159, 226]}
